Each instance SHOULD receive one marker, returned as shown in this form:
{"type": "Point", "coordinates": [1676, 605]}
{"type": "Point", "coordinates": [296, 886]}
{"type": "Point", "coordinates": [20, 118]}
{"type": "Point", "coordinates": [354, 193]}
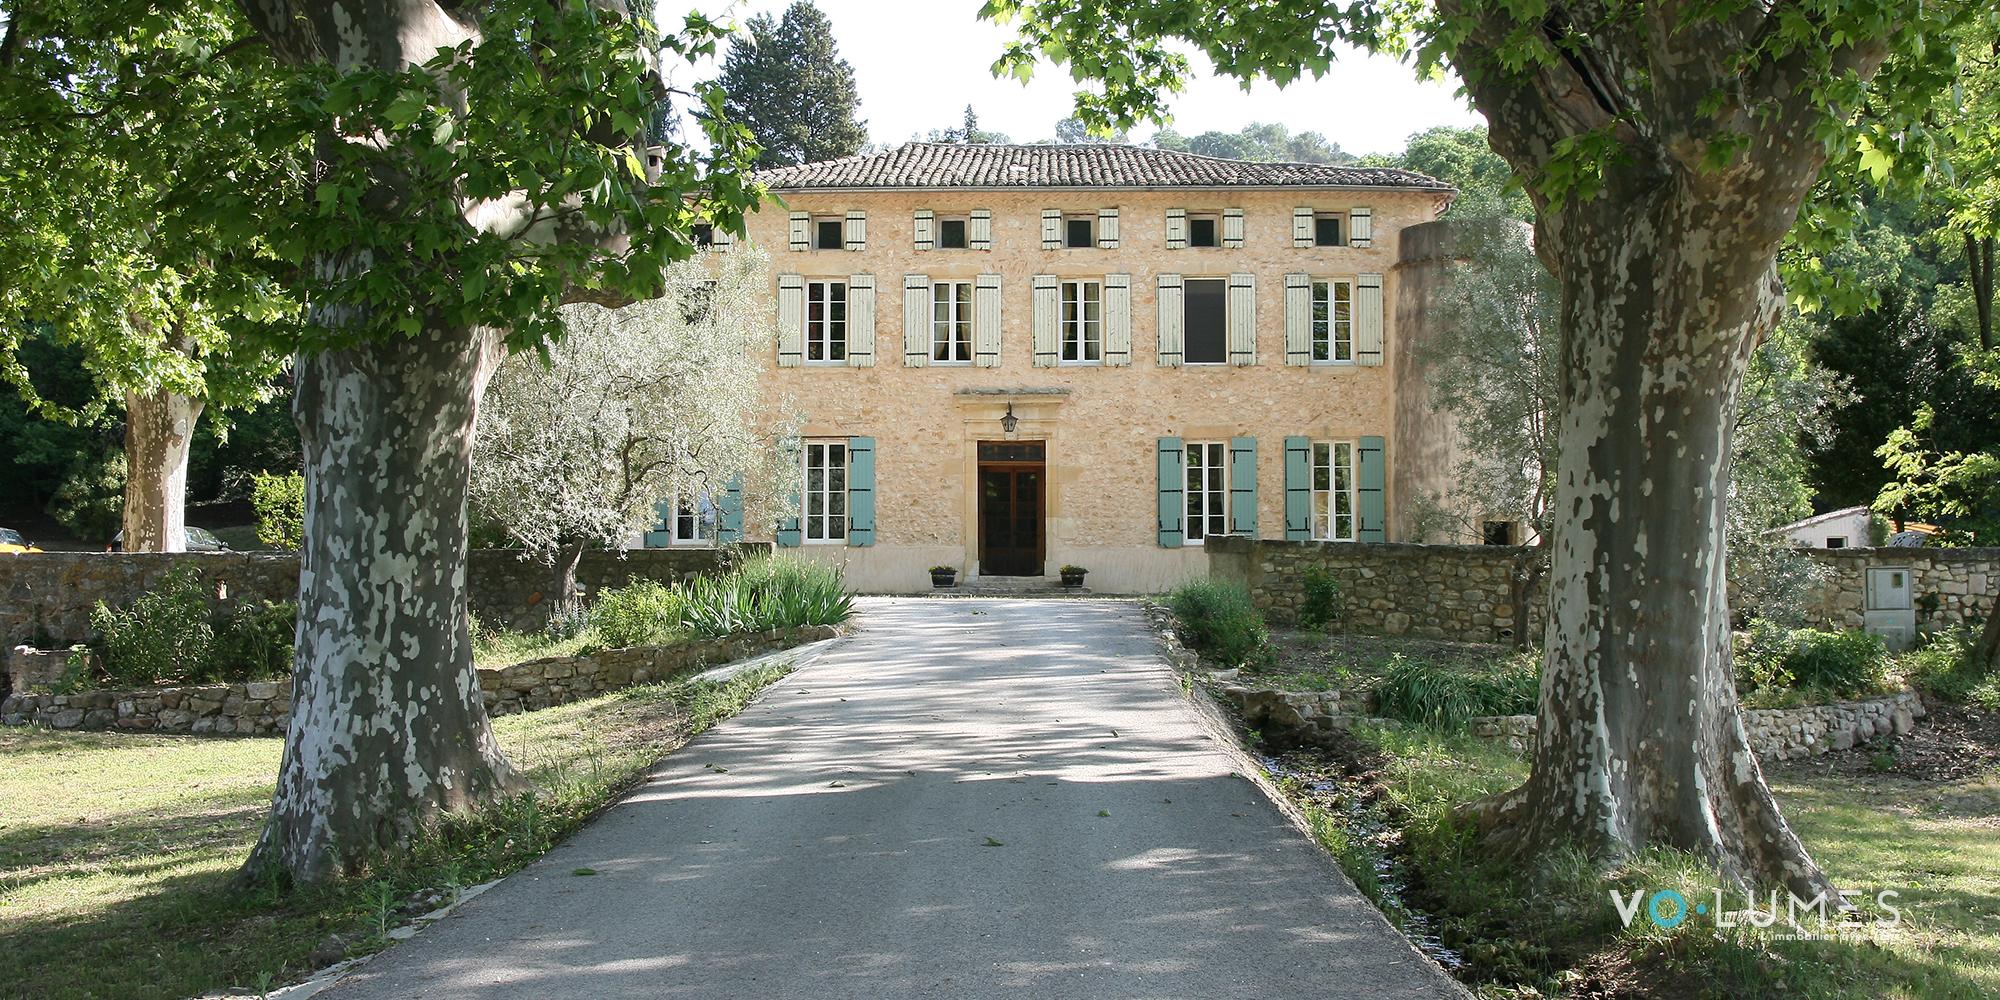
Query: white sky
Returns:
{"type": "Point", "coordinates": [919, 62]}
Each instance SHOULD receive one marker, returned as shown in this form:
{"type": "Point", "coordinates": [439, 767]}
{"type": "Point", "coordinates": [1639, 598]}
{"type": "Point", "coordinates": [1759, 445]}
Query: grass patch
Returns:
{"type": "Point", "coordinates": [507, 647]}
{"type": "Point", "coordinates": [1551, 930]}
{"type": "Point", "coordinates": [116, 851]}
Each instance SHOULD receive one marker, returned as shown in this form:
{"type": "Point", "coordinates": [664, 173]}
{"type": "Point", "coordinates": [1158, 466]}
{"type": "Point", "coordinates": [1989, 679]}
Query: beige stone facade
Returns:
{"type": "Point", "coordinates": [1100, 424]}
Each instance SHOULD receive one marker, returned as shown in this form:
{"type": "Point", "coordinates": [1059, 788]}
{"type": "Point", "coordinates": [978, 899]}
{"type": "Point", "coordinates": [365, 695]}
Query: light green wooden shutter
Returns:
{"type": "Point", "coordinates": [916, 320]}
{"type": "Point", "coordinates": [1117, 319]}
{"type": "Point", "coordinates": [1052, 229]}
{"type": "Point", "coordinates": [1298, 319]}
{"type": "Point", "coordinates": [857, 230]}
{"type": "Point", "coordinates": [788, 534]}
{"type": "Point", "coordinates": [1368, 319]}
{"type": "Point", "coordinates": [986, 321]}
{"type": "Point", "coordinates": [1173, 502]}
{"type": "Point", "coordinates": [1370, 501]}
{"type": "Point", "coordinates": [1232, 229]}
{"type": "Point", "coordinates": [1298, 489]}
{"type": "Point", "coordinates": [1360, 227]}
{"type": "Point", "coordinates": [861, 491]}
{"type": "Point", "coordinates": [1172, 320]}
{"type": "Point", "coordinates": [1242, 320]}
{"type": "Point", "coordinates": [1177, 229]}
{"type": "Point", "coordinates": [861, 321]}
{"type": "Point", "coordinates": [661, 534]}
{"type": "Point", "coordinates": [979, 231]}
{"type": "Point", "coordinates": [729, 511]}
{"type": "Point", "coordinates": [1107, 228]}
{"type": "Point", "coordinates": [791, 320]}
{"type": "Point", "coordinates": [921, 229]}
{"type": "Point", "coordinates": [1302, 226]}
{"type": "Point", "coordinates": [1243, 486]}
{"type": "Point", "coordinates": [1048, 346]}
{"type": "Point", "coordinates": [801, 230]}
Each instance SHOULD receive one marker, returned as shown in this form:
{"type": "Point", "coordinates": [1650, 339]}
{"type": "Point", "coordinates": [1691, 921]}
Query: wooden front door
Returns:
{"type": "Point", "coordinates": [1011, 479]}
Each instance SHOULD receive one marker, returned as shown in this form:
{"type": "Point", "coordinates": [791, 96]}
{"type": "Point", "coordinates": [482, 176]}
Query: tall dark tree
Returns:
{"type": "Point", "coordinates": [787, 82]}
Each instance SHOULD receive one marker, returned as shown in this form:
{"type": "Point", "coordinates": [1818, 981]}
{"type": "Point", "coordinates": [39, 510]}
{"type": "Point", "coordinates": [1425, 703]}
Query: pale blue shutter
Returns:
{"type": "Point", "coordinates": [729, 511]}
{"type": "Point", "coordinates": [1243, 487]}
{"type": "Point", "coordinates": [1298, 489]}
{"type": "Point", "coordinates": [1371, 503]}
{"type": "Point", "coordinates": [860, 491]}
{"type": "Point", "coordinates": [661, 534]}
{"type": "Point", "coordinates": [1173, 504]}
{"type": "Point", "coordinates": [788, 534]}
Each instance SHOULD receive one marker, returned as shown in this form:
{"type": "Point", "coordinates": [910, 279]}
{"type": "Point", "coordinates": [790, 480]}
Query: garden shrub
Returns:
{"type": "Point", "coordinates": [280, 504]}
{"type": "Point", "coordinates": [766, 593]}
{"type": "Point", "coordinates": [1319, 606]}
{"type": "Point", "coordinates": [1846, 664]}
{"type": "Point", "coordinates": [254, 641]}
{"type": "Point", "coordinates": [1447, 698]}
{"type": "Point", "coordinates": [1219, 620]}
{"type": "Point", "coordinates": [166, 636]}
{"type": "Point", "coordinates": [1943, 668]}
{"type": "Point", "coordinates": [641, 613]}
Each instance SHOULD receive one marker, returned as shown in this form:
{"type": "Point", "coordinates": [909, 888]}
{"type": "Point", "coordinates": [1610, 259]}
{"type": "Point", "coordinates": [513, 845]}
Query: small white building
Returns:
{"type": "Point", "coordinates": [1835, 529]}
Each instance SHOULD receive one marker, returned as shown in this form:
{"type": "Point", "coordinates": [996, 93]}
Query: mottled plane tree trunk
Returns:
{"type": "Point", "coordinates": [1668, 284]}
{"type": "Point", "coordinates": [159, 427]}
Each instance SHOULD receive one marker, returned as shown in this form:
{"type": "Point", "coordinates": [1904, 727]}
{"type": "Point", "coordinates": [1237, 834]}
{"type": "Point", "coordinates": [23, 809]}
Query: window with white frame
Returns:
{"type": "Point", "coordinates": [696, 519]}
{"type": "Point", "coordinates": [1079, 231]}
{"type": "Point", "coordinates": [951, 322]}
{"type": "Point", "coordinates": [1207, 489]}
{"type": "Point", "coordinates": [1332, 320]}
{"type": "Point", "coordinates": [1328, 229]}
{"type": "Point", "coordinates": [829, 233]}
{"type": "Point", "coordinates": [826, 321]}
{"type": "Point", "coordinates": [823, 517]}
{"type": "Point", "coordinates": [1082, 319]}
{"type": "Point", "coordinates": [1333, 490]}
{"type": "Point", "coordinates": [951, 234]}
{"type": "Point", "coordinates": [1204, 230]}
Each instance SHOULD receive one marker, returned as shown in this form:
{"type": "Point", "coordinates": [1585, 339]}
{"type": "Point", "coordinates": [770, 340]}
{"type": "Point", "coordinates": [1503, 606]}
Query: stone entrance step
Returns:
{"type": "Point", "coordinates": [1009, 586]}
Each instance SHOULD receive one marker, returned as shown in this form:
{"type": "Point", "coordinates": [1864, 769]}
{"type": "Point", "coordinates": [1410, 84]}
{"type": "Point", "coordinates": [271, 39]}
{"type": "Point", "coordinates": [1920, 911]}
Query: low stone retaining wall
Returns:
{"type": "Point", "coordinates": [46, 597]}
{"type": "Point", "coordinates": [260, 708]}
{"type": "Point", "coordinates": [1778, 733]}
{"type": "Point", "coordinates": [1469, 593]}
{"type": "Point", "coordinates": [1948, 586]}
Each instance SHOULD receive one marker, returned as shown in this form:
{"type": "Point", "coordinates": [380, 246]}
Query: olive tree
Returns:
{"type": "Point", "coordinates": [577, 444]}
{"type": "Point", "coordinates": [1668, 150]}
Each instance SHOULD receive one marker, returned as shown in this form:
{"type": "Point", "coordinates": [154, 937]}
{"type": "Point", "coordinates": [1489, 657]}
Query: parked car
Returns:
{"type": "Point", "coordinates": [11, 542]}
{"type": "Point", "coordinates": [198, 540]}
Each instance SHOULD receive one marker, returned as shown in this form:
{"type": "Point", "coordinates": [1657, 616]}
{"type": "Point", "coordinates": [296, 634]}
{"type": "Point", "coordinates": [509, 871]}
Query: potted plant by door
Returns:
{"type": "Point", "coordinates": [1072, 577]}
{"type": "Point", "coordinates": [943, 576]}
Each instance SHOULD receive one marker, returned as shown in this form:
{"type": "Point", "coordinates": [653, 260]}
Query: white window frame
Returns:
{"type": "Point", "coordinates": [951, 323]}
{"type": "Point", "coordinates": [1329, 330]}
{"type": "Point", "coordinates": [818, 223]}
{"type": "Point", "coordinates": [937, 231]}
{"type": "Point", "coordinates": [1214, 219]}
{"type": "Point", "coordinates": [1327, 517]}
{"type": "Point", "coordinates": [819, 522]}
{"type": "Point", "coordinates": [1341, 222]}
{"type": "Point", "coordinates": [1071, 218]}
{"type": "Point", "coordinates": [819, 332]}
{"type": "Point", "coordinates": [704, 504]}
{"type": "Point", "coordinates": [1205, 505]}
{"type": "Point", "coordinates": [1084, 330]}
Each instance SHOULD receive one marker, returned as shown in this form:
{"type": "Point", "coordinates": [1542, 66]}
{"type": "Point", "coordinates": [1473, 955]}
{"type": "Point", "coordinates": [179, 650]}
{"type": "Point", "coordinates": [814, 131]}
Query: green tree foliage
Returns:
{"type": "Point", "coordinates": [1259, 141]}
{"type": "Point", "coordinates": [787, 82]}
{"type": "Point", "coordinates": [968, 131]}
{"type": "Point", "coordinates": [1461, 157]}
{"type": "Point", "coordinates": [280, 503]}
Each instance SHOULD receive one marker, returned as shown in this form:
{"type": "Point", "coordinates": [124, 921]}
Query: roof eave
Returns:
{"type": "Point", "coordinates": [1401, 188]}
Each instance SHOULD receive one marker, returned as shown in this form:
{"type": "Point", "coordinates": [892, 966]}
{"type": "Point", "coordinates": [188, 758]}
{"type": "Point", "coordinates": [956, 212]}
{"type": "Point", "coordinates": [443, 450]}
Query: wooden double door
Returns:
{"type": "Point", "coordinates": [1013, 478]}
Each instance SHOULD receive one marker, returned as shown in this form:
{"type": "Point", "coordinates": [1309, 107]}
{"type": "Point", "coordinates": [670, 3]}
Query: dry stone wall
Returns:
{"type": "Point", "coordinates": [260, 708]}
{"type": "Point", "coordinates": [46, 598]}
{"type": "Point", "coordinates": [1469, 593]}
{"type": "Point", "coordinates": [1948, 586]}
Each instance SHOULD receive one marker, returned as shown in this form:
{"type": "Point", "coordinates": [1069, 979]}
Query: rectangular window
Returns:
{"type": "Point", "coordinates": [823, 518]}
{"type": "Point", "coordinates": [1333, 490]}
{"type": "Point", "coordinates": [1332, 321]}
{"type": "Point", "coordinates": [826, 322]}
{"type": "Point", "coordinates": [1206, 327]}
{"type": "Point", "coordinates": [1082, 322]}
{"type": "Point", "coordinates": [1497, 533]}
{"type": "Point", "coordinates": [1204, 231]}
{"type": "Point", "coordinates": [1326, 229]}
{"type": "Point", "coordinates": [702, 235]}
{"type": "Point", "coordinates": [695, 520]}
{"type": "Point", "coordinates": [1080, 231]}
{"type": "Point", "coordinates": [829, 234]}
{"type": "Point", "coordinates": [1836, 541]}
{"type": "Point", "coordinates": [1207, 489]}
{"type": "Point", "coordinates": [951, 322]}
{"type": "Point", "coordinates": [951, 234]}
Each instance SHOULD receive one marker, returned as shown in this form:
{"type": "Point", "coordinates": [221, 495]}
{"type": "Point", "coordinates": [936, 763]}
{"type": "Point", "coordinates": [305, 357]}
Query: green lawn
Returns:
{"type": "Point", "coordinates": [116, 851]}
{"type": "Point", "coordinates": [1386, 805]}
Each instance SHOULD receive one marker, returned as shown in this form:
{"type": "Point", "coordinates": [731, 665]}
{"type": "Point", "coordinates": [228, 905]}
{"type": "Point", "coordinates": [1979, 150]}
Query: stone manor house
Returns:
{"type": "Point", "coordinates": [1011, 358]}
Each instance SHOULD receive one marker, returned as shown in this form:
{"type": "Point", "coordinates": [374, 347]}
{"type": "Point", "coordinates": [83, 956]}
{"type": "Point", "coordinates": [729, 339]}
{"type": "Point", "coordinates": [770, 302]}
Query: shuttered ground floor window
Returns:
{"type": "Point", "coordinates": [1333, 490]}
{"type": "Point", "coordinates": [1207, 489]}
{"type": "Point", "coordinates": [824, 511]}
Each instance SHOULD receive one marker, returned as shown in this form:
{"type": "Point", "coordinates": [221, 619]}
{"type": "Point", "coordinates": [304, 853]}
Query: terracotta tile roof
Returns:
{"type": "Point", "coordinates": [927, 165]}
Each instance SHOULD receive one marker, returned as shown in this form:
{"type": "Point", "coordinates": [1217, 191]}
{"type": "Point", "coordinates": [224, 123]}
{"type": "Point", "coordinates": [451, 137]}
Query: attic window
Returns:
{"type": "Point", "coordinates": [1079, 231]}
{"type": "Point", "coordinates": [1326, 230]}
{"type": "Point", "coordinates": [1203, 231]}
{"type": "Point", "coordinates": [828, 235]}
{"type": "Point", "coordinates": [951, 234]}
